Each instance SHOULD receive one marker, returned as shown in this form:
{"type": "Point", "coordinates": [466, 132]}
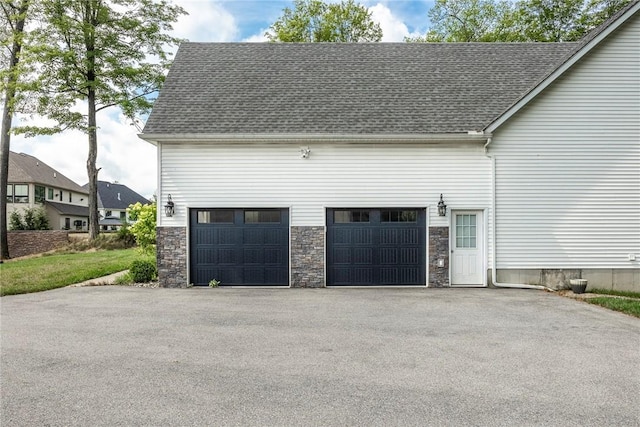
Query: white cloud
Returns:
{"type": "Point", "coordinates": [393, 29]}
{"type": "Point", "coordinates": [257, 38]}
{"type": "Point", "coordinates": [207, 22]}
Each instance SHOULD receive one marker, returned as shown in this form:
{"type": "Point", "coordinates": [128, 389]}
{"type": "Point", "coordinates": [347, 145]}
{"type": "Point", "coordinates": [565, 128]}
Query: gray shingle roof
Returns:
{"type": "Point", "coordinates": [117, 196]}
{"type": "Point", "coordinates": [66, 209]}
{"type": "Point", "coordinates": [24, 168]}
{"type": "Point", "coordinates": [359, 88]}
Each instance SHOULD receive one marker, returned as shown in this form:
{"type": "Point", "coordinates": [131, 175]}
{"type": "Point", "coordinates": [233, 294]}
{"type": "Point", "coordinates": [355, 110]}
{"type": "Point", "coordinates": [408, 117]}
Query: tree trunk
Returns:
{"type": "Point", "coordinates": [5, 139]}
{"type": "Point", "coordinates": [90, 13]}
{"type": "Point", "coordinates": [92, 171]}
{"type": "Point", "coordinates": [7, 116]}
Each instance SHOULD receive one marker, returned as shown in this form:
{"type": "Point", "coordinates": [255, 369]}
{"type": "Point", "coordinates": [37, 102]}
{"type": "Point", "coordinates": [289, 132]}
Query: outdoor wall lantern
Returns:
{"type": "Point", "coordinates": [168, 208]}
{"type": "Point", "coordinates": [442, 208]}
{"type": "Point", "coordinates": [305, 152]}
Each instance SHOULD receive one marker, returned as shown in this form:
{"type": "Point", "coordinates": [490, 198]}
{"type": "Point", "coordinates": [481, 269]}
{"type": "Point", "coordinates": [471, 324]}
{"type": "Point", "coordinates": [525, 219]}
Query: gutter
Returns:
{"type": "Point", "coordinates": [297, 138]}
{"type": "Point", "coordinates": [494, 269]}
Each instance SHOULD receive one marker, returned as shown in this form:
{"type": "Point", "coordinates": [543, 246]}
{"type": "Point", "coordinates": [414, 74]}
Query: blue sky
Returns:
{"type": "Point", "coordinates": [131, 161]}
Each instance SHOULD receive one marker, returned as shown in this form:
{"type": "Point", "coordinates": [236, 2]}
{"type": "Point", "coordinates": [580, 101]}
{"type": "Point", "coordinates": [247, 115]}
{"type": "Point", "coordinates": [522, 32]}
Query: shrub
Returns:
{"type": "Point", "coordinates": [103, 241]}
{"type": "Point", "coordinates": [15, 221]}
{"type": "Point", "coordinates": [125, 236]}
{"type": "Point", "coordinates": [144, 228]}
{"type": "Point", "coordinates": [31, 219]}
{"type": "Point", "coordinates": [143, 271]}
{"type": "Point", "coordinates": [125, 279]}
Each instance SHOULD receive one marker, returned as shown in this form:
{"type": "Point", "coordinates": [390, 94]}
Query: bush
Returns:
{"type": "Point", "coordinates": [143, 271]}
{"type": "Point", "coordinates": [144, 227]}
{"type": "Point", "coordinates": [125, 279]}
{"type": "Point", "coordinates": [125, 236]}
{"type": "Point", "coordinates": [15, 221]}
{"type": "Point", "coordinates": [104, 241]}
{"type": "Point", "coordinates": [32, 219]}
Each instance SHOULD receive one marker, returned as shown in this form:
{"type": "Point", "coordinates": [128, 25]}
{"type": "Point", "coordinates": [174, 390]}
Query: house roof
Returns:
{"type": "Point", "coordinates": [110, 220]}
{"type": "Point", "coordinates": [346, 89]}
{"type": "Point", "coordinates": [24, 168]}
{"type": "Point", "coordinates": [73, 210]}
{"type": "Point", "coordinates": [116, 196]}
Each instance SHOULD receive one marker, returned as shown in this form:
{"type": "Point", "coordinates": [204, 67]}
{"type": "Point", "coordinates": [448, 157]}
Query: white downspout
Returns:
{"type": "Point", "coordinates": [494, 270]}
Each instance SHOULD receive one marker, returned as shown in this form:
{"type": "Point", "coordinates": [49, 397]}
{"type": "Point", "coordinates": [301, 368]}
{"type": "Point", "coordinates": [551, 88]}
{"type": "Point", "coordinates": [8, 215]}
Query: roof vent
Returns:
{"type": "Point", "coordinates": [118, 196]}
{"type": "Point", "coordinates": [55, 175]}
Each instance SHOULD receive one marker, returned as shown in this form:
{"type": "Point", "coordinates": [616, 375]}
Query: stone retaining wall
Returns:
{"type": "Point", "coordinates": [31, 242]}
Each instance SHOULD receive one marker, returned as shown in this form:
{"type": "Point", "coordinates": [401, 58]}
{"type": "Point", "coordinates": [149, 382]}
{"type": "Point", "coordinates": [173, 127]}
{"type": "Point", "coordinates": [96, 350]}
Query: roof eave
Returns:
{"type": "Point", "coordinates": [561, 69]}
{"type": "Point", "coordinates": [297, 138]}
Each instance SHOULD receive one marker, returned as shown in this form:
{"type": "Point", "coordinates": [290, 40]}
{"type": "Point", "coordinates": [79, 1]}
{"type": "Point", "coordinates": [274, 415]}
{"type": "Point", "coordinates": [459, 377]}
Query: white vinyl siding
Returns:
{"type": "Point", "coordinates": [334, 175]}
{"type": "Point", "coordinates": [568, 166]}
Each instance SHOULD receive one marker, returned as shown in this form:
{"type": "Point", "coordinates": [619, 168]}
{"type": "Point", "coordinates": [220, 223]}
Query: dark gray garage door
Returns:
{"type": "Point", "coordinates": [376, 246]}
{"type": "Point", "coordinates": [239, 246]}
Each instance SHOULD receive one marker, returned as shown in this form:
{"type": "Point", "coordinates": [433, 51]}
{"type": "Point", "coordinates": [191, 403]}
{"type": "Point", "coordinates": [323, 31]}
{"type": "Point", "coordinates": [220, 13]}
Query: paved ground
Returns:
{"type": "Point", "coordinates": [138, 356]}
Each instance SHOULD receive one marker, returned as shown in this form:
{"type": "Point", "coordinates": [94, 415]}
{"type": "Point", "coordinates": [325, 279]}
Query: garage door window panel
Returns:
{"type": "Point", "coordinates": [397, 215]}
{"type": "Point", "coordinates": [351, 216]}
{"type": "Point", "coordinates": [262, 217]}
{"type": "Point", "coordinates": [215, 216]}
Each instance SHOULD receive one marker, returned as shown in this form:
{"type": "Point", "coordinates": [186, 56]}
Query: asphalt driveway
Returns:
{"type": "Point", "coordinates": [138, 356]}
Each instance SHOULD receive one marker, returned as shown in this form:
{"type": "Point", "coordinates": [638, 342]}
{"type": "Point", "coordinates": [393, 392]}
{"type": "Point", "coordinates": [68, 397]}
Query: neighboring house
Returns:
{"type": "Point", "coordinates": [113, 201]}
{"type": "Point", "coordinates": [322, 164]}
{"type": "Point", "coordinates": [33, 183]}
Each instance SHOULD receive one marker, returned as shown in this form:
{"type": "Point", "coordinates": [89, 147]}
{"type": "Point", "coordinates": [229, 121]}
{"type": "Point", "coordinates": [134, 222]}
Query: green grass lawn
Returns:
{"type": "Point", "coordinates": [630, 304]}
{"type": "Point", "coordinates": [628, 294]}
{"type": "Point", "coordinates": [58, 270]}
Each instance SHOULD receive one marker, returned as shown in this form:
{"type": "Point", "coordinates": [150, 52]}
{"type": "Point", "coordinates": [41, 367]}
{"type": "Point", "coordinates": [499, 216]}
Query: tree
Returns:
{"type": "Point", "coordinates": [104, 53]}
{"type": "Point", "coordinates": [524, 21]}
{"type": "Point", "coordinates": [316, 21]}
{"type": "Point", "coordinates": [13, 18]}
{"type": "Point", "coordinates": [551, 20]}
{"type": "Point", "coordinates": [598, 11]}
{"type": "Point", "coordinates": [471, 21]}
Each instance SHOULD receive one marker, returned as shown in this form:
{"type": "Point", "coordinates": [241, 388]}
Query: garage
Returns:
{"type": "Point", "coordinates": [376, 247]}
{"type": "Point", "coordinates": [246, 247]}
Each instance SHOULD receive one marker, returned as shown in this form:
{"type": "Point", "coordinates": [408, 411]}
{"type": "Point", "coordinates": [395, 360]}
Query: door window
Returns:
{"type": "Point", "coordinates": [466, 231]}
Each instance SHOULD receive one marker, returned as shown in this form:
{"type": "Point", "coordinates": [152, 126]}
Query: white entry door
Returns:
{"type": "Point", "coordinates": [467, 245]}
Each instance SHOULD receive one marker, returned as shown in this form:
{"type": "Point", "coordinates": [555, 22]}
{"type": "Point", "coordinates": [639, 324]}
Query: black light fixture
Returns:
{"type": "Point", "coordinates": [168, 208]}
{"type": "Point", "coordinates": [442, 208]}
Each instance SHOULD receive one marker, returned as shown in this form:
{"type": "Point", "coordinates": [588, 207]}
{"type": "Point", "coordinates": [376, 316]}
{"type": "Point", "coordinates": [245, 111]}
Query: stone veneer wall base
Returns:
{"type": "Point", "coordinates": [307, 257]}
{"type": "Point", "coordinates": [438, 249]}
{"type": "Point", "coordinates": [171, 256]}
